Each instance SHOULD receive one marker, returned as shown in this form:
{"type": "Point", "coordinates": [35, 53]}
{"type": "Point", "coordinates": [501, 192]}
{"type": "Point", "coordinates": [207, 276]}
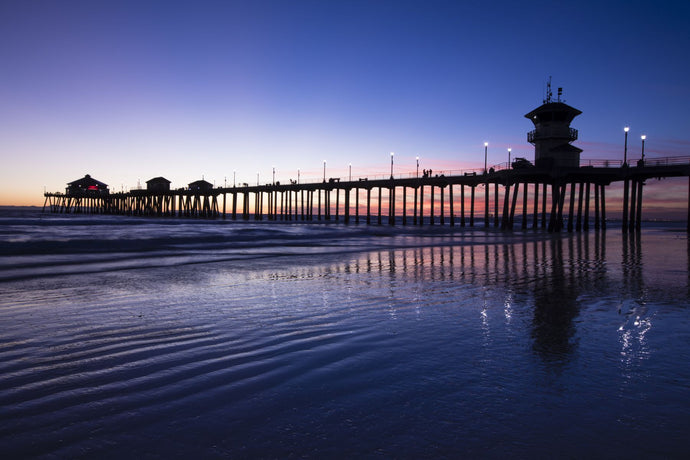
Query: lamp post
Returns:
{"type": "Point", "coordinates": [509, 166]}
{"type": "Point", "coordinates": [486, 188]}
{"type": "Point", "coordinates": [417, 167]}
{"type": "Point", "coordinates": [298, 177]}
{"type": "Point", "coordinates": [643, 138]}
{"type": "Point", "coordinates": [350, 165]}
{"type": "Point", "coordinates": [234, 173]}
{"type": "Point", "coordinates": [274, 175]}
{"type": "Point", "coordinates": [625, 146]}
{"type": "Point", "coordinates": [392, 164]}
{"type": "Point", "coordinates": [225, 182]}
{"type": "Point", "coordinates": [257, 179]}
{"type": "Point", "coordinates": [324, 170]}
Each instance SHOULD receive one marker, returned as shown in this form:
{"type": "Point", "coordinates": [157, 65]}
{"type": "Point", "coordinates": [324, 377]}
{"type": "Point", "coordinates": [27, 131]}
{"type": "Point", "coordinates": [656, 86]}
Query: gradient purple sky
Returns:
{"type": "Point", "coordinates": [130, 90]}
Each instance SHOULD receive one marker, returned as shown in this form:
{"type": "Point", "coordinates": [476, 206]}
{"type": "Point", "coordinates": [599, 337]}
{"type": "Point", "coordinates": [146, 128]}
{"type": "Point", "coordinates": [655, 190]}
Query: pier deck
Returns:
{"type": "Point", "coordinates": [445, 199]}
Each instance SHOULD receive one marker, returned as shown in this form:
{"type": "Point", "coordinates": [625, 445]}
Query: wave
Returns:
{"type": "Point", "coordinates": [33, 244]}
{"type": "Point", "coordinates": [36, 245]}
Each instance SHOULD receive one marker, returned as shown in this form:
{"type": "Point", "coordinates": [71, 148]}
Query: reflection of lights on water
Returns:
{"type": "Point", "coordinates": [485, 316]}
{"type": "Point", "coordinates": [484, 313]}
{"type": "Point", "coordinates": [633, 338]}
{"type": "Point", "coordinates": [508, 309]}
{"type": "Point", "coordinates": [416, 298]}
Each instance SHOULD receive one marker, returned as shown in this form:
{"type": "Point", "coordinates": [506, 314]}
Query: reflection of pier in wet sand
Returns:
{"type": "Point", "coordinates": [548, 279]}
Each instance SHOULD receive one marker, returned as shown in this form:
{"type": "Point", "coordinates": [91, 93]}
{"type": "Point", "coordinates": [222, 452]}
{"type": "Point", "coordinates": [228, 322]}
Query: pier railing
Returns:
{"type": "Point", "coordinates": [584, 163]}
{"type": "Point", "coordinates": [557, 132]}
{"type": "Point", "coordinates": [667, 161]}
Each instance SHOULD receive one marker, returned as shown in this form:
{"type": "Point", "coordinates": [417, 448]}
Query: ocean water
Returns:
{"type": "Point", "coordinates": [170, 338]}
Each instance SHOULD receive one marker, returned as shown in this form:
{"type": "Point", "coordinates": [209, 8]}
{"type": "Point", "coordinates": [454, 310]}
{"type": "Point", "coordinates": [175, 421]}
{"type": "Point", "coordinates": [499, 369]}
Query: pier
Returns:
{"type": "Point", "coordinates": [560, 190]}
{"type": "Point", "coordinates": [569, 198]}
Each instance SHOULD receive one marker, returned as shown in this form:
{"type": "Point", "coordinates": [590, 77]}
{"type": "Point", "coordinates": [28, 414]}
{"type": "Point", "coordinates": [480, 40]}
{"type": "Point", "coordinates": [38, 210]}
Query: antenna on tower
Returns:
{"type": "Point", "coordinates": [549, 94]}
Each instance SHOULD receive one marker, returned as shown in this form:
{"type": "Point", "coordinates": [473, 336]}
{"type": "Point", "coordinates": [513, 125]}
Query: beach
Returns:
{"type": "Point", "coordinates": [166, 338]}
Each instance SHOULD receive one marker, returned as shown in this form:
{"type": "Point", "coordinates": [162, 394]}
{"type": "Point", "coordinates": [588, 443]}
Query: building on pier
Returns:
{"type": "Point", "coordinates": [158, 184]}
{"type": "Point", "coordinates": [552, 134]}
{"type": "Point", "coordinates": [88, 186]}
{"type": "Point", "coordinates": [200, 186]}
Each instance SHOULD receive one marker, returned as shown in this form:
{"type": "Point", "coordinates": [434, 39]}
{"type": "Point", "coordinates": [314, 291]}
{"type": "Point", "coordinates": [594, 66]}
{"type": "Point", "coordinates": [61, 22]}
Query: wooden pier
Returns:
{"type": "Point", "coordinates": [556, 199]}
{"type": "Point", "coordinates": [561, 189]}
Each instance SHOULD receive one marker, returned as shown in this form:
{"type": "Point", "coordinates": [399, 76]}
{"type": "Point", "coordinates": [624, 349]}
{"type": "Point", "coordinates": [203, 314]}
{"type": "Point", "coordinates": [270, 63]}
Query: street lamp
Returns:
{"type": "Point", "coordinates": [486, 146]}
{"type": "Point", "coordinates": [392, 165]}
{"type": "Point", "coordinates": [298, 177]}
{"type": "Point", "coordinates": [417, 167]}
{"type": "Point", "coordinates": [274, 175]}
{"type": "Point", "coordinates": [225, 182]}
{"type": "Point", "coordinates": [643, 138]}
{"type": "Point", "coordinates": [324, 170]}
{"type": "Point", "coordinates": [257, 179]}
{"type": "Point", "coordinates": [350, 172]}
{"type": "Point", "coordinates": [625, 147]}
{"type": "Point", "coordinates": [234, 172]}
{"type": "Point", "coordinates": [509, 167]}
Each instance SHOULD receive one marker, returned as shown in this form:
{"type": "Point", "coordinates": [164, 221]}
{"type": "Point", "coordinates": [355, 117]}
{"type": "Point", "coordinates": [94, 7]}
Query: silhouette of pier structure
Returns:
{"type": "Point", "coordinates": [558, 191]}
{"type": "Point", "coordinates": [572, 198]}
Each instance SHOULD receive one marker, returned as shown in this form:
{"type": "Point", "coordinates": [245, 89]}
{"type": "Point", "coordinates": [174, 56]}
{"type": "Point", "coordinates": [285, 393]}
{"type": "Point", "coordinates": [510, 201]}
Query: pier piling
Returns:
{"type": "Point", "coordinates": [287, 202]}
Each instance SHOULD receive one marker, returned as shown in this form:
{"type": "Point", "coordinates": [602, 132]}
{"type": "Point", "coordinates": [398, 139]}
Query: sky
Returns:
{"type": "Point", "coordinates": [225, 90]}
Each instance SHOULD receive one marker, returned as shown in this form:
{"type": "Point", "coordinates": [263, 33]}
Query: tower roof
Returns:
{"type": "Point", "coordinates": [553, 111]}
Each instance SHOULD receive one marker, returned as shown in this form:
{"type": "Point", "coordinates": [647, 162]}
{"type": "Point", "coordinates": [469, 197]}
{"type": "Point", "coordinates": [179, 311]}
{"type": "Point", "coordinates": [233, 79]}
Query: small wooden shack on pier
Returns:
{"type": "Point", "coordinates": [158, 184]}
{"type": "Point", "coordinates": [85, 186]}
{"type": "Point", "coordinates": [200, 186]}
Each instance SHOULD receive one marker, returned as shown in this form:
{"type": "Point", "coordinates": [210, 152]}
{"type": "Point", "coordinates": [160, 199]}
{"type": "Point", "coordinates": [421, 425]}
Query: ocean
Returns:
{"type": "Point", "coordinates": [170, 338]}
